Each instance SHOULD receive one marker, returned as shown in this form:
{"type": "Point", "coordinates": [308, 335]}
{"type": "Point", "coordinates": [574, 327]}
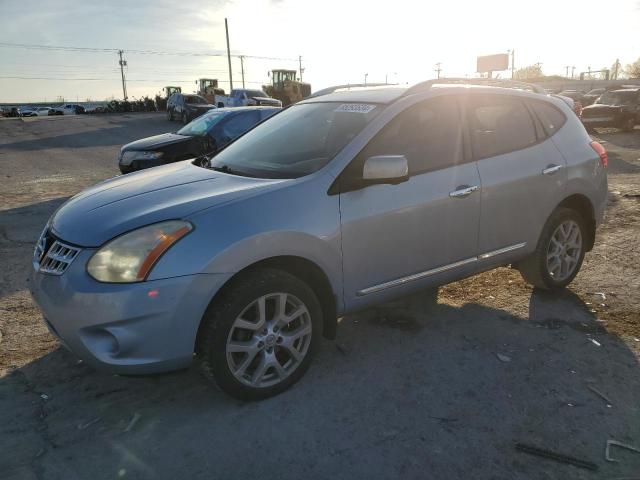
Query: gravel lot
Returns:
{"type": "Point", "coordinates": [415, 389]}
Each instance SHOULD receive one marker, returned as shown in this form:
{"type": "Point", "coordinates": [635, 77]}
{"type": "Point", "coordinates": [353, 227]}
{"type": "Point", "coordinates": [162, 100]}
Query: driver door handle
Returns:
{"type": "Point", "coordinates": [551, 169]}
{"type": "Point", "coordinates": [463, 191]}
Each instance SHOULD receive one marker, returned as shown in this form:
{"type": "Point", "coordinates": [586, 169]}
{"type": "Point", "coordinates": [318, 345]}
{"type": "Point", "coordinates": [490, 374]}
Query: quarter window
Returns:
{"type": "Point", "coordinates": [427, 134]}
{"type": "Point", "coordinates": [550, 117]}
{"type": "Point", "coordinates": [499, 124]}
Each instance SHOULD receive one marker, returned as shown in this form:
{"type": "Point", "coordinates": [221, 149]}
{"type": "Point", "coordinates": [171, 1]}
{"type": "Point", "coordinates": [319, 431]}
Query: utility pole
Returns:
{"type": "Point", "coordinates": [300, 66]}
{"type": "Point", "coordinates": [438, 69]}
{"type": "Point", "coordinates": [123, 63]}
{"type": "Point", "coordinates": [242, 68]}
{"type": "Point", "coordinates": [566, 68]}
{"type": "Point", "coordinates": [513, 62]}
{"type": "Point", "coordinates": [572, 70]}
{"type": "Point", "coordinates": [365, 78]}
{"type": "Point", "coordinates": [615, 69]}
{"type": "Point", "coordinates": [226, 28]}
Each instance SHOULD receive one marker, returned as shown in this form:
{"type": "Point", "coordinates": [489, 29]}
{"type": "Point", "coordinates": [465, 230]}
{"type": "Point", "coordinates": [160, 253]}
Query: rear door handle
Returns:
{"type": "Point", "coordinates": [551, 169]}
{"type": "Point", "coordinates": [463, 191]}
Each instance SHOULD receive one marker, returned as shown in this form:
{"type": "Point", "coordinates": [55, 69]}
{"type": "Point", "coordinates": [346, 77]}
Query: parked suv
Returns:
{"type": "Point", "coordinates": [340, 202]}
{"type": "Point", "coordinates": [614, 108]}
{"type": "Point", "coordinates": [186, 107]}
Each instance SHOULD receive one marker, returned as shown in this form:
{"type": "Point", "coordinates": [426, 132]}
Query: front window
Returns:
{"type": "Point", "coordinates": [256, 93]}
{"type": "Point", "coordinates": [201, 125]}
{"type": "Point", "coordinates": [298, 141]}
{"type": "Point", "coordinates": [616, 98]}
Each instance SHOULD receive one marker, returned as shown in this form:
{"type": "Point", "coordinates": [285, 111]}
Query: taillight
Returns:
{"type": "Point", "coordinates": [602, 153]}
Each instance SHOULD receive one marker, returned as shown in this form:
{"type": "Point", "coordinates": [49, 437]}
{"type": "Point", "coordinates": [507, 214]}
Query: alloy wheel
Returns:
{"type": "Point", "coordinates": [269, 340]}
{"type": "Point", "coordinates": [564, 250]}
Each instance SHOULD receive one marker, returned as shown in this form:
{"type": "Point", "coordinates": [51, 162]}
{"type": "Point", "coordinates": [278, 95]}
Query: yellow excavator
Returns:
{"type": "Point", "coordinates": [286, 87]}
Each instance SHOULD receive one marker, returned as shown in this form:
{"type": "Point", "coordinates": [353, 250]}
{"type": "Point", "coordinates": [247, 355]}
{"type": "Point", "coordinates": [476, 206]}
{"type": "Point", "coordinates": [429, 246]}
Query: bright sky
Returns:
{"type": "Point", "coordinates": [340, 41]}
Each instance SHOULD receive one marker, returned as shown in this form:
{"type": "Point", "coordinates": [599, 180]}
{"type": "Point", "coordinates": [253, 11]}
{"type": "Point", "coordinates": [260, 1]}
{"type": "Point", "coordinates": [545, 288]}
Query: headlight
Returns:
{"type": "Point", "coordinates": [129, 156]}
{"type": "Point", "coordinates": [130, 257]}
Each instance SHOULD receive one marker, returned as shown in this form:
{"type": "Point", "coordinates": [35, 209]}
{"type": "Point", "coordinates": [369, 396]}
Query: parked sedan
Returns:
{"type": "Point", "coordinates": [203, 137]}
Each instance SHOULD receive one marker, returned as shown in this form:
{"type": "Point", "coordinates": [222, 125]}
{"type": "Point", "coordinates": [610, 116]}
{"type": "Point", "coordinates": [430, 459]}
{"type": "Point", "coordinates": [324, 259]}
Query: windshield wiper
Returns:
{"type": "Point", "coordinates": [230, 171]}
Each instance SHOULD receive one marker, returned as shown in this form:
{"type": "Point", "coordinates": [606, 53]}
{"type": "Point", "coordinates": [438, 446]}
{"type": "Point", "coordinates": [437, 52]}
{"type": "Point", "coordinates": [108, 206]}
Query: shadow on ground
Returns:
{"type": "Point", "coordinates": [414, 389]}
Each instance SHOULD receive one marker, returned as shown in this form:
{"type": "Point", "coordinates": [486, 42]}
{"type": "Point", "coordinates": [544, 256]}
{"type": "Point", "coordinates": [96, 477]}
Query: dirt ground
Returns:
{"type": "Point", "coordinates": [421, 388]}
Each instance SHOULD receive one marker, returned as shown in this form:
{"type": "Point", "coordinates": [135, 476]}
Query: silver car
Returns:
{"type": "Point", "coordinates": [343, 201]}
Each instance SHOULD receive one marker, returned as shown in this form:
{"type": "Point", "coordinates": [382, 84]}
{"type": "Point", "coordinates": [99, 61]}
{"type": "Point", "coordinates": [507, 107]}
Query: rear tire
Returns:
{"type": "Point", "coordinates": [170, 115]}
{"type": "Point", "coordinates": [259, 336]}
{"type": "Point", "coordinates": [559, 253]}
{"type": "Point", "coordinates": [184, 118]}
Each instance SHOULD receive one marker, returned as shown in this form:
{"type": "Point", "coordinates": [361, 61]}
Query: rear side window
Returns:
{"type": "Point", "coordinates": [550, 117]}
{"type": "Point", "coordinates": [428, 134]}
{"type": "Point", "coordinates": [499, 124]}
{"type": "Point", "coordinates": [240, 123]}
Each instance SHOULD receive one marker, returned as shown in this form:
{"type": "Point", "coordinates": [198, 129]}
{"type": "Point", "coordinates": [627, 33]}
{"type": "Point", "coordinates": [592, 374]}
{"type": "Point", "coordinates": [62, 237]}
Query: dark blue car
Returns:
{"type": "Point", "coordinates": [204, 136]}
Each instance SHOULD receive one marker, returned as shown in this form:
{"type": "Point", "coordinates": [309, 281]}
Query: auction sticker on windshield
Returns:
{"type": "Point", "coordinates": [355, 107]}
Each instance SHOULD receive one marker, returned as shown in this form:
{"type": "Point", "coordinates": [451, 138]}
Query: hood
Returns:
{"type": "Point", "coordinates": [156, 141]}
{"type": "Point", "coordinates": [599, 109]}
{"type": "Point", "coordinates": [124, 203]}
{"type": "Point", "coordinates": [266, 99]}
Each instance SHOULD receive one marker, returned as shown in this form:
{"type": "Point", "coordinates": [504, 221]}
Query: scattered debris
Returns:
{"type": "Point", "coordinates": [636, 339]}
{"type": "Point", "coordinates": [341, 349]}
{"type": "Point", "coordinates": [44, 396]}
{"type": "Point", "coordinates": [88, 424]}
{"type": "Point", "coordinates": [631, 195]}
{"type": "Point", "coordinates": [503, 358]}
{"type": "Point", "coordinates": [443, 419]}
{"type": "Point", "coordinates": [555, 456]}
{"type": "Point", "coordinates": [595, 342]}
{"type": "Point", "coordinates": [132, 423]}
{"type": "Point", "coordinates": [607, 456]}
{"type": "Point", "coordinates": [602, 295]}
{"type": "Point", "coordinates": [601, 395]}
{"type": "Point", "coordinates": [40, 453]}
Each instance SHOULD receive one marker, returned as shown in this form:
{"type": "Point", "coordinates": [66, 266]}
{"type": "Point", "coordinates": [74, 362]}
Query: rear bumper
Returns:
{"type": "Point", "coordinates": [133, 328]}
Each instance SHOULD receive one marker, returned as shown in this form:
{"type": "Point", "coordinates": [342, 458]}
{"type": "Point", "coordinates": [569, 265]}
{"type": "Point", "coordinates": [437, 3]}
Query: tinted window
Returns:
{"type": "Point", "coordinates": [428, 135]}
{"type": "Point", "coordinates": [499, 124]}
{"type": "Point", "coordinates": [239, 123]}
{"type": "Point", "coordinates": [550, 117]}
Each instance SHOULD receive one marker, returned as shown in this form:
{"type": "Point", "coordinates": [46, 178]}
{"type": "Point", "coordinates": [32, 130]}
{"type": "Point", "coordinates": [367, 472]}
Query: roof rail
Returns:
{"type": "Point", "coordinates": [492, 82]}
{"type": "Point", "coordinates": [328, 90]}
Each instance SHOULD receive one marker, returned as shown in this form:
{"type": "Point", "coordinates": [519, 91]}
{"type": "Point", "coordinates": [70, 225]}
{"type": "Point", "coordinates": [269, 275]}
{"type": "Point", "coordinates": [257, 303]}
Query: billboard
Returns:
{"type": "Point", "coordinates": [493, 63]}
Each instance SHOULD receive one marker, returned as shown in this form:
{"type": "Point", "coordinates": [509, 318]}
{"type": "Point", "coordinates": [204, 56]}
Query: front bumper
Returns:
{"type": "Point", "coordinates": [135, 328]}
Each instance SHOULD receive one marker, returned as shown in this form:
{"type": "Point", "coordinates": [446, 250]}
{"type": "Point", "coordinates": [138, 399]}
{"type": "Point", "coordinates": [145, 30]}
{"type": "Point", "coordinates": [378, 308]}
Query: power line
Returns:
{"type": "Point", "coordinates": [190, 80]}
{"type": "Point", "coordinates": [136, 51]}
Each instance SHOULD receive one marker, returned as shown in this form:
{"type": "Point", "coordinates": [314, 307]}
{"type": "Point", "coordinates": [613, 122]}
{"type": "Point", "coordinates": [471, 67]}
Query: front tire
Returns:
{"type": "Point", "coordinates": [170, 115]}
{"type": "Point", "coordinates": [259, 337]}
{"type": "Point", "coordinates": [628, 125]}
{"type": "Point", "coordinates": [184, 118]}
{"type": "Point", "coordinates": [559, 253]}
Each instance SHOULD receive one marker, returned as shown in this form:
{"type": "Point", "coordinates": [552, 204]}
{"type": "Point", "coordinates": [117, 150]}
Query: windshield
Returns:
{"type": "Point", "coordinates": [201, 125]}
{"type": "Point", "coordinates": [616, 98]}
{"type": "Point", "coordinates": [256, 93]}
{"type": "Point", "coordinates": [194, 99]}
{"type": "Point", "coordinates": [299, 141]}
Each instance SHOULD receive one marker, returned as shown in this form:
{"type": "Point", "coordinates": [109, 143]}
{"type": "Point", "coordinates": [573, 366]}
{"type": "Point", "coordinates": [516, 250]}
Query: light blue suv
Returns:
{"type": "Point", "coordinates": [348, 199]}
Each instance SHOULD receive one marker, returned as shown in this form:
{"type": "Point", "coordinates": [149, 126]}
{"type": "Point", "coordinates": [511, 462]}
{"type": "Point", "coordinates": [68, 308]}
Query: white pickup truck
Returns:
{"type": "Point", "coordinates": [241, 97]}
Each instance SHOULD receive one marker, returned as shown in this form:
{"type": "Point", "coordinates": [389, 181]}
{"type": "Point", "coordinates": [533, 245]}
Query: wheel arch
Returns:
{"type": "Point", "coordinates": [584, 207]}
{"type": "Point", "coordinates": [302, 268]}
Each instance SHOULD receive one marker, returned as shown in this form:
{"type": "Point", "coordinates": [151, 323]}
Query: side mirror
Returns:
{"type": "Point", "coordinates": [385, 169]}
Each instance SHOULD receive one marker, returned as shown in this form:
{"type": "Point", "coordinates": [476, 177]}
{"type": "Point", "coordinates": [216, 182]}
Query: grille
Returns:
{"type": "Point", "coordinates": [53, 256]}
